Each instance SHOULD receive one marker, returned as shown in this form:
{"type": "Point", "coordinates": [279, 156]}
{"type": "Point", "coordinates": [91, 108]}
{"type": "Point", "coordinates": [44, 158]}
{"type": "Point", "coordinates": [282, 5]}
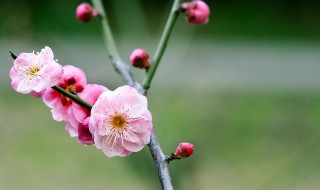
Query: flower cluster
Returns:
{"type": "Point", "coordinates": [119, 122]}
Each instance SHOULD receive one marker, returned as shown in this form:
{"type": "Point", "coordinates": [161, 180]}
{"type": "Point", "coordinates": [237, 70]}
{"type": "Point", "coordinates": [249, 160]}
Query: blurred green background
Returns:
{"type": "Point", "coordinates": [244, 89]}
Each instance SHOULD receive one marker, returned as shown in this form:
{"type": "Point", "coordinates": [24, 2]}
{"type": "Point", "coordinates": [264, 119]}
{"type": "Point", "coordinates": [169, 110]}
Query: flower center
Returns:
{"type": "Point", "coordinates": [118, 121]}
{"type": "Point", "coordinates": [69, 88]}
{"type": "Point", "coordinates": [33, 71]}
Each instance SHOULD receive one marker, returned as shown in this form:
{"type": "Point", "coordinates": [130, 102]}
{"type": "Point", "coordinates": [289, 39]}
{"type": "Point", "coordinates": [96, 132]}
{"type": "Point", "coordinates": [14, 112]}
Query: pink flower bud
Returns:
{"type": "Point", "coordinates": [184, 150]}
{"type": "Point", "coordinates": [140, 58]}
{"type": "Point", "coordinates": [86, 12]}
{"type": "Point", "coordinates": [197, 12]}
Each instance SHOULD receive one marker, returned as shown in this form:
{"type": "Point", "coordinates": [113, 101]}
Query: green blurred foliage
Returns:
{"type": "Point", "coordinates": [242, 141]}
{"type": "Point", "coordinates": [244, 18]}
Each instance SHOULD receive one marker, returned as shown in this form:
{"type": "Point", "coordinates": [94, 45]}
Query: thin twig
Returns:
{"type": "Point", "coordinates": [119, 65]}
{"type": "Point", "coordinates": [162, 44]}
{"type": "Point", "coordinates": [72, 96]}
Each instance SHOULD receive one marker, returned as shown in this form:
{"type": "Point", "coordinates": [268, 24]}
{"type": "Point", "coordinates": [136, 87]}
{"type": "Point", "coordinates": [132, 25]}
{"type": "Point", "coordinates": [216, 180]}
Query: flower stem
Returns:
{"type": "Point", "coordinates": [162, 43]}
{"type": "Point", "coordinates": [120, 66]}
{"type": "Point", "coordinates": [160, 161]}
{"type": "Point", "coordinates": [72, 96]}
{"type": "Point", "coordinates": [14, 56]}
{"type": "Point", "coordinates": [108, 37]}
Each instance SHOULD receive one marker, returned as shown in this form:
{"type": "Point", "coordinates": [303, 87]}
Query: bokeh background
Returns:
{"type": "Point", "coordinates": [245, 89]}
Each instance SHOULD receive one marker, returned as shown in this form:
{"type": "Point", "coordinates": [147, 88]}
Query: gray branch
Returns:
{"type": "Point", "coordinates": [158, 157]}
{"type": "Point", "coordinates": [124, 70]}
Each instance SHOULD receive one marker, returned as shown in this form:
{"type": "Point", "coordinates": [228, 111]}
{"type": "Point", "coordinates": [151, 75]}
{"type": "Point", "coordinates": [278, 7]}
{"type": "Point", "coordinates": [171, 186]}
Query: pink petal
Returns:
{"type": "Point", "coordinates": [73, 132]}
{"type": "Point", "coordinates": [85, 137]}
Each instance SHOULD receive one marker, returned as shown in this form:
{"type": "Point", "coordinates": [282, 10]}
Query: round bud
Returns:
{"type": "Point", "coordinates": [86, 12]}
{"type": "Point", "coordinates": [140, 58]}
{"type": "Point", "coordinates": [197, 12]}
{"type": "Point", "coordinates": [184, 150]}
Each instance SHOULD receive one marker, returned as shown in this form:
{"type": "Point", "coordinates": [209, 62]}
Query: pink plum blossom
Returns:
{"type": "Point", "coordinates": [85, 12]}
{"type": "Point", "coordinates": [34, 73]}
{"type": "Point", "coordinates": [121, 122]}
{"type": "Point", "coordinates": [197, 12]}
{"type": "Point", "coordinates": [77, 117]}
{"type": "Point", "coordinates": [140, 58]}
{"type": "Point", "coordinates": [81, 131]}
{"type": "Point", "coordinates": [74, 81]}
{"type": "Point", "coordinates": [84, 135]}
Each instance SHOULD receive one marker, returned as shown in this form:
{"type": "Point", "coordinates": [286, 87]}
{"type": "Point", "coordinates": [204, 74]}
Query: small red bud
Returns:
{"type": "Point", "coordinates": [140, 58]}
{"type": "Point", "coordinates": [197, 12]}
{"type": "Point", "coordinates": [86, 12]}
{"type": "Point", "coordinates": [184, 150]}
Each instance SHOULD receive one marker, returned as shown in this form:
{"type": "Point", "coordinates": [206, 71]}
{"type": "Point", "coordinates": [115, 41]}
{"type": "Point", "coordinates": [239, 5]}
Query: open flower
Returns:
{"type": "Point", "coordinates": [78, 116]}
{"type": "Point", "coordinates": [121, 122]}
{"type": "Point", "coordinates": [73, 81]}
{"type": "Point", "coordinates": [34, 73]}
{"type": "Point", "coordinates": [81, 130]}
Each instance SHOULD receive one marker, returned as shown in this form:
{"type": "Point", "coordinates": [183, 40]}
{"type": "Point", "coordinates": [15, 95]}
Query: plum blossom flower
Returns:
{"type": "Point", "coordinates": [197, 12]}
{"type": "Point", "coordinates": [121, 122]}
{"type": "Point", "coordinates": [77, 117]}
{"type": "Point", "coordinates": [73, 81]}
{"type": "Point", "coordinates": [34, 73]}
{"type": "Point", "coordinates": [81, 131]}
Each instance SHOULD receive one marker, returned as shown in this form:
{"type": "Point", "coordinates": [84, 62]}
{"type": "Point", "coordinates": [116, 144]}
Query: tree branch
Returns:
{"type": "Point", "coordinates": [160, 162]}
{"type": "Point", "coordinates": [162, 43]}
{"type": "Point", "coordinates": [119, 65]}
{"type": "Point", "coordinates": [124, 70]}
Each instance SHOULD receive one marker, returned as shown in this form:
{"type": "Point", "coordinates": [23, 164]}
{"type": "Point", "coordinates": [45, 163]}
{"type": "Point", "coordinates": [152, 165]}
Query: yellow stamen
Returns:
{"type": "Point", "coordinates": [33, 71]}
{"type": "Point", "coordinates": [118, 121]}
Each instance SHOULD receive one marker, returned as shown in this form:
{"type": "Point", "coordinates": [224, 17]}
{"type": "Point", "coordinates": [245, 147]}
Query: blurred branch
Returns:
{"type": "Point", "coordinates": [162, 44]}
{"type": "Point", "coordinates": [120, 66]}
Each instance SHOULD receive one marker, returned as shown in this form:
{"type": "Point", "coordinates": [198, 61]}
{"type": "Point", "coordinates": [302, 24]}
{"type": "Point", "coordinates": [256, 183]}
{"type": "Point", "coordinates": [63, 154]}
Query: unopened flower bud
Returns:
{"type": "Point", "coordinates": [140, 58]}
{"type": "Point", "coordinates": [184, 150]}
{"type": "Point", "coordinates": [197, 12]}
{"type": "Point", "coordinates": [86, 12]}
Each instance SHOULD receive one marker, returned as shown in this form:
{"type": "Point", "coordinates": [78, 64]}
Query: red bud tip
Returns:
{"type": "Point", "coordinates": [197, 12]}
{"type": "Point", "coordinates": [140, 58]}
{"type": "Point", "coordinates": [184, 150]}
{"type": "Point", "coordinates": [86, 12]}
